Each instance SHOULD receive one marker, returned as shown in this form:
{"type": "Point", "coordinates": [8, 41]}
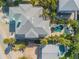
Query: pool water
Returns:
{"type": "Point", "coordinates": [62, 49]}
{"type": "Point", "coordinates": [58, 28]}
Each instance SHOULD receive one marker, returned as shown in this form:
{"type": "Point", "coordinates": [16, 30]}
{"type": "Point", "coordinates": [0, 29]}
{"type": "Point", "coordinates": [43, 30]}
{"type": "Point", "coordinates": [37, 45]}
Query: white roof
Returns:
{"type": "Point", "coordinates": [68, 5]}
{"type": "Point", "coordinates": [50, 49]}
{"type": "Point", "coordinates": [50, 52]}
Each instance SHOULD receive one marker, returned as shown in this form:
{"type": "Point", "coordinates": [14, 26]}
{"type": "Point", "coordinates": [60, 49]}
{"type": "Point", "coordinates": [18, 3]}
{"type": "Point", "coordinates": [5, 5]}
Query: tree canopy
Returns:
{"type": "Point", "coordinates": [9, 40]}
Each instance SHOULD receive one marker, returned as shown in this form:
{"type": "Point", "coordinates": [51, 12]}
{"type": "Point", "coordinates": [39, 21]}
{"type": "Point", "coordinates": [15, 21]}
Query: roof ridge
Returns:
{"type": "Point", "coordinates": [77, 3]}
{"type": "Point", "coordinates": [33, 31]}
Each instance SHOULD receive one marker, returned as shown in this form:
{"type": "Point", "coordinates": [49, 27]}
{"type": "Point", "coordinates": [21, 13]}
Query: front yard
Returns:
{"type": "Point", "coordinates": [71, 57]}
{"type": "Point", "coordinates": [29, 52]}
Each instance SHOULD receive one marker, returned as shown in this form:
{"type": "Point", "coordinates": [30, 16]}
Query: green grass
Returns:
{"type": "Point", "coordinates": [62, 58]}
{"type": "Point", "coordinates": [71, 57]}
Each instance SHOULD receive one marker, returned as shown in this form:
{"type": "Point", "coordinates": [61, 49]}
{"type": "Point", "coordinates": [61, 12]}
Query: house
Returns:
{"type": "Point", "coordinates": [29, 25]}
{"type": "Point", "coordinates": [69, 7]}
{"type": "Point", "coordinates": [49, 52]}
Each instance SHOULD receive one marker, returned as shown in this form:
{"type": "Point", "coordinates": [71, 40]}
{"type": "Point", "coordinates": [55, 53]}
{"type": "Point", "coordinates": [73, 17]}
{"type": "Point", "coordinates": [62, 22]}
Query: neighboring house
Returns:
{"type": "Point", "coordinates": [69, 7]}
{"type": "Point", "coordinates": [49, 52]}
{"type": "Point", "coordinates": [29, 25]}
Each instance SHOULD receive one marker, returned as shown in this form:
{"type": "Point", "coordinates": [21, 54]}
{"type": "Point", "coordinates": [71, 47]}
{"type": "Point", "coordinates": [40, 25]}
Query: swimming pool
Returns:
{"type": "Point", "coordinates": [62, 49]}
{"type": "Point", "coordinates": [58, 28]}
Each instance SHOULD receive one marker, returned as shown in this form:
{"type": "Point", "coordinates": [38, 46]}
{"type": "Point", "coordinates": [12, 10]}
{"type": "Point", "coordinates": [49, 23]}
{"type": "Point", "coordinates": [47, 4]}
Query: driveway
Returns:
{"type": "Point", "coordinates": [29, 52]}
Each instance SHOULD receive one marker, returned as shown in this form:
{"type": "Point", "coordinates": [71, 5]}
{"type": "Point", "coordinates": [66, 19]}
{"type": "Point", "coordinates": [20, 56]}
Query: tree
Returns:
{"type": "Point", "coordinates": [76, 37]}
{"type": "Point", "coordinates": [49, 8]}
{"type": "Point", "coordinates": [64, 41]}
{"type": "Point", "coordinates": [23, 57]}
{"type": "Point", "coordinates": [73, 24]}
{"type": "Point", "coordinates": [9, 40]}
{"type": "Point", "coordinates": [74, 45]}
{"type": "Point", "coordinates": [22, 46]}
{"type": "Point", "coordinates": [44, 41]}
{"type": "Point", "coordinates": [17, 2]}
{"type": "Point", "coordinates": [1, 3]}
{"type": "Point", "coordinates": [33, 2]}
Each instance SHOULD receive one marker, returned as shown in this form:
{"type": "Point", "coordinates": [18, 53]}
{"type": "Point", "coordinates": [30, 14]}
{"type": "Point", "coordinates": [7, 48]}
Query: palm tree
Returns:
{"type": "Point", "coordinates": [49, 8]}
{"type": "Point", "coordinates": [34, 2]}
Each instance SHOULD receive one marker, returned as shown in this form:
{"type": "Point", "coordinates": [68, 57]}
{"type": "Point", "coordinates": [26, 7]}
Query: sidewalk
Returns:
{"type": "Point", "coordinates": [4, 29]}
{"type": "Point", "coordinates": [2, 53]}
{"type": "Point", "coordinates": [4, 32]}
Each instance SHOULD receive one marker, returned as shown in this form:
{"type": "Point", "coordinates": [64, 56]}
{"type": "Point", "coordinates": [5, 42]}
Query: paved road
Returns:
{"type": "Point", "coordinates": [2, 47]}
{"type": "Point", "coordinates": [3, 33]}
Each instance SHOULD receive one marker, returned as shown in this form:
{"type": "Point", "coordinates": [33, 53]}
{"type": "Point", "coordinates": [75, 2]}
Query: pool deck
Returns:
{"type": "Point", "coordinates": [55, 33]}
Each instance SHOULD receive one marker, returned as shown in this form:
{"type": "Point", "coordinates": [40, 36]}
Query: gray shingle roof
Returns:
{"type": "Point", "coordinates": [24, 28]}
{"type": "Point", "coordinates": [25, 7]}
{"type": "Point", "coordinates": [40, 31]}
{"type": "Point", "coordinates": [31, 34]}
{"type": "Point", "coordinates": [30, 20]}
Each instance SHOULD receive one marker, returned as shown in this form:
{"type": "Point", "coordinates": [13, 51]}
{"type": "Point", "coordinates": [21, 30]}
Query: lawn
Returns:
{"type": "Point", "coordinates": [71, 57]}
